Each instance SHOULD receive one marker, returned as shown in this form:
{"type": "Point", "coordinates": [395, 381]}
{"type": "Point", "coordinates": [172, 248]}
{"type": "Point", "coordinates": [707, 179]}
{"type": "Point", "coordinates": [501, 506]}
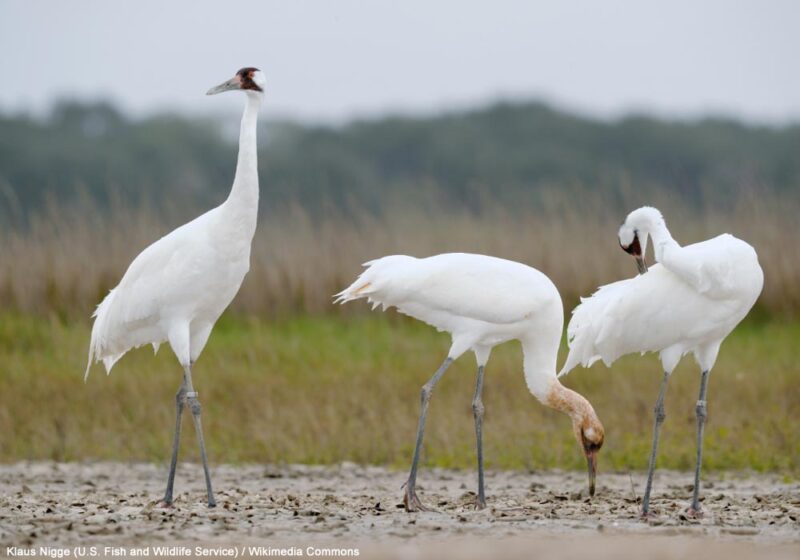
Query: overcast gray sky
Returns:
{"type": "Point", "coordinates": [336, 59]}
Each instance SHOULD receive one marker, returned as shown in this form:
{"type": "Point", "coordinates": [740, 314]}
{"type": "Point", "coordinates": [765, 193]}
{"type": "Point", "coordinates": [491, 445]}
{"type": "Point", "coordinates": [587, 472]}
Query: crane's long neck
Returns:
{"type": "Point", "coordinates": [242, 203]}
{"type": "Point", "coordinates": [662, 239]}
{"type": "Point", "coordinates": [539, 362]}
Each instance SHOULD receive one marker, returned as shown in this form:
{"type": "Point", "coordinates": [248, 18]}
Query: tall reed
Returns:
{"type": "Point", "coordinates": [63, 260]}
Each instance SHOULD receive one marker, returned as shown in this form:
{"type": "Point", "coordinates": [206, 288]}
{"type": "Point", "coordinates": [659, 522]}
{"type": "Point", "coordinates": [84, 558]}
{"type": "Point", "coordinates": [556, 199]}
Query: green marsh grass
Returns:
{"type": "Point", "coordinates": [327, 389]}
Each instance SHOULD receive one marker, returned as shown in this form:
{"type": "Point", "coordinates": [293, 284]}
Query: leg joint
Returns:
{"type": "Point", "coordinates": [701, 410]}
{"type": "Point", "coordinates": [477, 408]}
{"type": "Point", "coordinates": [194, 405]}
{"type": "Point", "coordinates": [660, 412]}
{"type": "Point", "coordinates": [425, 393]}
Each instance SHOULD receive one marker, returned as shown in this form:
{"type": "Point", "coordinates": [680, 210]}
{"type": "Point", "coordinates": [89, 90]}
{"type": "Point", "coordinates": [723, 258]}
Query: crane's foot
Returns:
{"type": "Point", "coordinates": [165, 503]}
{"type": "Point", "coordinates": [693, 512]}
{"type": "Point", "coordinates": [412, 502]}
{"type": "Point", "coordinates": [212, 502]}
{"type": "Point", "coordinates": [647, 515]}
{"type": "Point", "coordinates": [480, 503]}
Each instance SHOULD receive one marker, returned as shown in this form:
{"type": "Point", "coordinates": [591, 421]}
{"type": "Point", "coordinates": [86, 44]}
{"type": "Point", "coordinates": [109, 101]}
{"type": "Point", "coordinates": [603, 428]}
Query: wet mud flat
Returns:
{"type": "Point", "coordinates": [349, 506]}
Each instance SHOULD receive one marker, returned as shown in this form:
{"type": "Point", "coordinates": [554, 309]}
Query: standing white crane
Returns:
{"type": "Point", "coordinates": [177, 288]}
{"type": "Point", "coordinates": [482, 302]}
{"type": "Point", "coordinates": [687, 303]}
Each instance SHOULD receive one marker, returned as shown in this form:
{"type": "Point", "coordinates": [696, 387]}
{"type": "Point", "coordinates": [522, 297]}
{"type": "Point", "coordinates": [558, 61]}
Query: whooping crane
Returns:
{"type": "Point", "coordinates": [687, 303]}
{"type": "Point", "coordinates": [177, 288]}
{"type": "Point", "coordinates": [482, 302]}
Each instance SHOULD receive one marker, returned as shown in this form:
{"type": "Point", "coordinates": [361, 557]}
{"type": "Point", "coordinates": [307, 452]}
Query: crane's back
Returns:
{"type": "Point", "coordinates": [455, 290]}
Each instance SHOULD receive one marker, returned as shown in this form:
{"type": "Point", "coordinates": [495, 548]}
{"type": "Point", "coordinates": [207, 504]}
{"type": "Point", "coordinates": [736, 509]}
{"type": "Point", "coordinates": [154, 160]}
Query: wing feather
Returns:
{"type": "Point", "coordinates": [477, 287]}
{"type": "Point", "coordinates": [124, 317]}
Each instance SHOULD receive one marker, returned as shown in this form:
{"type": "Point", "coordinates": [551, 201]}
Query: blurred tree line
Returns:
{"type": "Point", "coordinates": [510, 150]}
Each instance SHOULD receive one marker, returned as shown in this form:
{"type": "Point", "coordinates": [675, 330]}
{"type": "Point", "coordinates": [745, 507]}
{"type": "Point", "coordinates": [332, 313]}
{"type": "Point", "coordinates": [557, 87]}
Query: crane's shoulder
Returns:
{"type": "Point", "coordinates": [721, 247]}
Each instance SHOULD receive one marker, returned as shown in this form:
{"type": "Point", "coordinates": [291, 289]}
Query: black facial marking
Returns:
{"type": "Point", "coordinates": [634, 248]}
{"type": "Point", "coordinates": [246, 78]}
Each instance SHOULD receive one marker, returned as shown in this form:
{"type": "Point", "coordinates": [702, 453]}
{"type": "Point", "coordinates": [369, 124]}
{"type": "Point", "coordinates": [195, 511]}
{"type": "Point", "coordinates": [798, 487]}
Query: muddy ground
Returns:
{"type": "Point", "coordinates": [540, 514]}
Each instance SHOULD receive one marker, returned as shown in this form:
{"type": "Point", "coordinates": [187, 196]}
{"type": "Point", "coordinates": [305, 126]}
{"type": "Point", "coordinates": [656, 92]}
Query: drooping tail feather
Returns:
{"type": "Point", "coordinates": [358, 289]}
{"type": "Point", "coordinates": [591, 322]}
{"type": "Point", "coordinates": [97, 345]}
{"type": "Point", "coordinates": [373, 283]}
{"type": "Point", "coordinates": [580, 338]}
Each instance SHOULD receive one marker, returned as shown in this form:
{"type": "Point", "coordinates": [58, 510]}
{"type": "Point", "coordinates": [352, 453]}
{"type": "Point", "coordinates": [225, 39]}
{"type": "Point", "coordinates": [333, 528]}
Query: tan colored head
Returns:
{"type": "Point", "coordinates": [586, 425]}
{"type": "Point", "coordinates": [590, 434]}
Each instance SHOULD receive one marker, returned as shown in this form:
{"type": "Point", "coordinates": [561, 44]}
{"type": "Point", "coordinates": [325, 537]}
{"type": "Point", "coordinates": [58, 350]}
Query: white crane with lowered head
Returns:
{"type": "Point", "coordinates": [176, 289]}
{"type": "Point", "coordinates": [482, 301]}
{"type": "Point", "coordinates": [687, 303]}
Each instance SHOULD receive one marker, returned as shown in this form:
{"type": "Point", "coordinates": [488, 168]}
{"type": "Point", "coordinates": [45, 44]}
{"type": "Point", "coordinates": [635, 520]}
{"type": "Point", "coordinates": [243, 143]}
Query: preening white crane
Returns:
{"type": "Point", "coordinates": [687, 303]}
{"type": "Point", "coordinates": [177, 288]}
{"type": "Point", "coordinates": [482, 302]}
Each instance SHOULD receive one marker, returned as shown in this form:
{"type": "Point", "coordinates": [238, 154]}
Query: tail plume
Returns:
{"type": "Point", "coordinates": [374, 283]}
{"type": "Point", "coordinates": [100, 331]}
{"type": "Point", "coordinates": [591, 323]}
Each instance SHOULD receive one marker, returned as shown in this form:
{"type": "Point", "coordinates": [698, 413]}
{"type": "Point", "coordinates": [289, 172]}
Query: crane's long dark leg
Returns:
{"type": "Point", "coordinates": [660, 415]}
{"type": "Point", "coordinates": [477, 412]}
{"type": "Point", "coordinates": [410, 499]}
{"type": "Point", "coordinates": [701, 413]}
{"type": "Point", "coordinates": [176, 440]}
{"type": "Point", "coordinates": [194, 406]}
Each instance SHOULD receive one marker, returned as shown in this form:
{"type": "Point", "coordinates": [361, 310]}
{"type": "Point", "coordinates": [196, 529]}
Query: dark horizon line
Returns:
{"type": "Point", "coordinates": [423, 114]}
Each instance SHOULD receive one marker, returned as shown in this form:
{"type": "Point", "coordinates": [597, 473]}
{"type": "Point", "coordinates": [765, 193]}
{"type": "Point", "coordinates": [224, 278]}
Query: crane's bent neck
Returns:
{"type": "Point", "coordinates": [661, 236]}
{"type": "Point", "coordinates": [243, 199]}
{"type": "Point", "coordinates": [539, 361]}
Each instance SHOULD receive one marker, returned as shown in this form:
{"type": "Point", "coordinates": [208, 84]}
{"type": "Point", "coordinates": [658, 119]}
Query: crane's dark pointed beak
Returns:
{"type": "Point", "coordinates": [591, 461]}
{"type": "Point", "coordinates": [233, 83]}
{"type": "Point", "coordinates": [640, 264]}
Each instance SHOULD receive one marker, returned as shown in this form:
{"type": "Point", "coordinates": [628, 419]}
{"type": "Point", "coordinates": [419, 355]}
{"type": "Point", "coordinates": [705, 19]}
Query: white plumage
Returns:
{"type": "Point", "coordinates": [687, 303]}
{"type": "Point", "coordinates": [482, 301]}
{"type": "Point", "coordinates": [176, 289]}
